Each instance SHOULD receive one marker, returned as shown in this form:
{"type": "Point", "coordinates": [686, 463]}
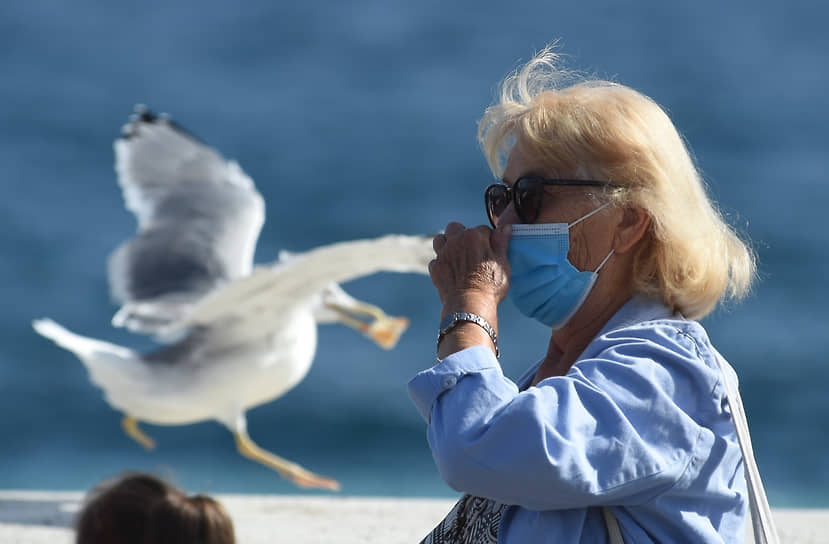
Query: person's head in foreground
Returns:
{"type": "Point", "coordinates": [143, 509]}
{"type": "Point", "coordinates": [600, 229]}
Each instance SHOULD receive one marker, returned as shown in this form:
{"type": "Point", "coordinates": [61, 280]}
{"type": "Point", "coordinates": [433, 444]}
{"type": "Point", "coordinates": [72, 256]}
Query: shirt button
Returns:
{"type": "Point", "coordinates": [448, 382]}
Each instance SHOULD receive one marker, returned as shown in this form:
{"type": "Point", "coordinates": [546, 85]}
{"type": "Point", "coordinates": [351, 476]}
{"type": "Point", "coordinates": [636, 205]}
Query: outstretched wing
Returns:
{"type": "Point", "coordinates": [295, 282]}
{"type": "Point", "coordinates": [199, 216]}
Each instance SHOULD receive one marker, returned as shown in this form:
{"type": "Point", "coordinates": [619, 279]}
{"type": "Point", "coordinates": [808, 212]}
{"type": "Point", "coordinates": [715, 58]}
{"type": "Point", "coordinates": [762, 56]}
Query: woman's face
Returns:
{"type": "Point", "coordinates": [591, 239]}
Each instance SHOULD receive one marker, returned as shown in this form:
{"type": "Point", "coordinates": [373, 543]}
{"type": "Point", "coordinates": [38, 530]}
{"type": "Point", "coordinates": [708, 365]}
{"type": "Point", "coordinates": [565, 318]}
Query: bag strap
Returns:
{"type": "Point", "coordinates": [613, 530]}
{"type": "Point", "coordinates": [761, 519]}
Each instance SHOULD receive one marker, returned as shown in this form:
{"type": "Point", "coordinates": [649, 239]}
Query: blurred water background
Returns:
{"type": "Point", "coordinates": [357, 119]}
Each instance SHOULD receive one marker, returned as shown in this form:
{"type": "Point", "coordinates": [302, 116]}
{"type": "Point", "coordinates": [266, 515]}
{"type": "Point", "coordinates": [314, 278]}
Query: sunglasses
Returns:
{"type": "Point", "coordinates": [526, 194]}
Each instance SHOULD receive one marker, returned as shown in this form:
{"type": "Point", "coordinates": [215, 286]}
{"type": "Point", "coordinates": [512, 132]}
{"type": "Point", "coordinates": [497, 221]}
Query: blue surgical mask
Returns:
{"type": "Point", "coordinates": [544, 285]}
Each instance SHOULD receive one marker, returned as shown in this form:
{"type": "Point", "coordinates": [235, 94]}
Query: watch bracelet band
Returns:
{"type": "Point", "coordinates": [453, 320]}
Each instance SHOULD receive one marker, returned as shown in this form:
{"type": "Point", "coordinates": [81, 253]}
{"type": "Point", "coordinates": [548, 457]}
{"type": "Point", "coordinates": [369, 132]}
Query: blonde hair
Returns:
{"type": "Point", "coordinates": [593, 129]}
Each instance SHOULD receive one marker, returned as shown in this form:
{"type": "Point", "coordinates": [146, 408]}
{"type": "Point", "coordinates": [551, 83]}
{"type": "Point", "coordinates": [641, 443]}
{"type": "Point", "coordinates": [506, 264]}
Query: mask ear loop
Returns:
{"type": "Point", "coordinates": [609, 255]}
{"type": "Point", "coordinates": [579, 220]}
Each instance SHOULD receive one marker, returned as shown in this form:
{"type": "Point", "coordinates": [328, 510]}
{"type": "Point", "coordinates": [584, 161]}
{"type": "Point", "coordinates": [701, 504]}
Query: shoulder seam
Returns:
{"type": "Point", "coordinates": [694, 454]}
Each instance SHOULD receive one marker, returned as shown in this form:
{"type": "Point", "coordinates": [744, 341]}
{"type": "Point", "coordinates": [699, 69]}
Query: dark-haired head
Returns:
{"type": "Point", "coordinates": [198, 519]}
{"type": "Point", "coordinates": [143, 509]}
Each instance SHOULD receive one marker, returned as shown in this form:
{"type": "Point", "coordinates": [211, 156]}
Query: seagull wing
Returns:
{"type": "Point", "coordinates": [274, 292]}
{"type": "Point", "coordinates": [199, 216]}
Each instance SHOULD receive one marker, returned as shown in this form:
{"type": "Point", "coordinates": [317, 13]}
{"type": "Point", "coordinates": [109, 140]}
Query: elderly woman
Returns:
{"type": "Point", "coordinates": [602, 231]}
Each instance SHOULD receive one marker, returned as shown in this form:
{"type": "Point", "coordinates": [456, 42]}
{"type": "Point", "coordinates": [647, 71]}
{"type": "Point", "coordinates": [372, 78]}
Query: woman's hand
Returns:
{"type": "Point", "coordinates": [470, 270]}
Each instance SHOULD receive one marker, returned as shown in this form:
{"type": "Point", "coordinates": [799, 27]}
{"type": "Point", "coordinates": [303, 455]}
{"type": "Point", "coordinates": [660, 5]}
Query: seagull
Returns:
{"type": "Point", "coordinates": [232, 335]}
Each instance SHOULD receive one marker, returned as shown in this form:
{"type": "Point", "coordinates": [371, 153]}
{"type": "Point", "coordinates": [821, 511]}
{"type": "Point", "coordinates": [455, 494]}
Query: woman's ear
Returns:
{"type": "Point", "coordinates": [631, 228]}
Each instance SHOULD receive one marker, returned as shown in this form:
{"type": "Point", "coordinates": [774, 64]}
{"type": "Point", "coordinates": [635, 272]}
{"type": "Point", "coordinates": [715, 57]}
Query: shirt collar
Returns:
{"type": "Point", "coordinates": [636, 310]}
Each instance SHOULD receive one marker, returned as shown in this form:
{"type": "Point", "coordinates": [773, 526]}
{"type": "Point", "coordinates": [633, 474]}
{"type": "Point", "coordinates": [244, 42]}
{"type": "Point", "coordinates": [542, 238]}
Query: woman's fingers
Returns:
{"type": "Point", "coordinates": [470, 244]}
{"type": "Point", "coordinates": [438, 242]}
{"type": "Point", "coordinates": [469, 258]}
{"type": "Point", "coordinates": [454, 229]}
{"type": "Point", "coordinates": [499, 239]}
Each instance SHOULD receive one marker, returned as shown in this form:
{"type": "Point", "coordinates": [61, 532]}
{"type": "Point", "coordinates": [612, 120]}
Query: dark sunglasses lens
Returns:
{"type": "Point", "coordinates": [528, 193]}
{"type": "Point", "coordinates": [497, 200]}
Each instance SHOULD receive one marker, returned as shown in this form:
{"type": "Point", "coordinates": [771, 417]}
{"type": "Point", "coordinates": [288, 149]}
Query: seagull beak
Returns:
{"type": "Point", "coordinates": [371, 321]}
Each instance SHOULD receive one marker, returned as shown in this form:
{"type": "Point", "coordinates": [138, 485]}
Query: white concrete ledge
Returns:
{"type": "Point", "coordinates": [40, 517]}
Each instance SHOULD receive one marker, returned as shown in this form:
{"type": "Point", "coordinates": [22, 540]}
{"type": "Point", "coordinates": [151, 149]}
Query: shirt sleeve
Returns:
{"type": "Point", "coordinates": [617, 429]}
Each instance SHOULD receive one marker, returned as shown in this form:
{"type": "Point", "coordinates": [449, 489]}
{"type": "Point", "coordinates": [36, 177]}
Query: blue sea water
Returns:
{"type": "Point", "coordinates": [357, 119]}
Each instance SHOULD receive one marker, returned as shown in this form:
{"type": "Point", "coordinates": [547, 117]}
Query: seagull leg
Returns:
{"type": "Point", "coordinates": [286, 469]}
{"type": "Point", "coordinates": [384, 330]}
{"type": "Point", "coordinates": [130, 426]}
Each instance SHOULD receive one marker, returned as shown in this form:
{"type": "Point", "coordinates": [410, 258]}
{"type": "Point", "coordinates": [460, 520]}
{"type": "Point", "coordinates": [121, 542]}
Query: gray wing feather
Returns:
{"type": "Point", "coordinates": [199, 217]}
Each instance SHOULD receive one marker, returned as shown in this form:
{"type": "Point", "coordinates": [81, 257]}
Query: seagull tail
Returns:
{"type": "Point", "coordinates": [106, 362]}
{"type": "Point", "coordinates": [81, 346]}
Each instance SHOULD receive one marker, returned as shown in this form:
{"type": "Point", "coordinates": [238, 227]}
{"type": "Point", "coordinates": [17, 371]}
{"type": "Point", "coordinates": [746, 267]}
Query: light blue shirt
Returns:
{"type": "Point", "coordinates": [640, 423]}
